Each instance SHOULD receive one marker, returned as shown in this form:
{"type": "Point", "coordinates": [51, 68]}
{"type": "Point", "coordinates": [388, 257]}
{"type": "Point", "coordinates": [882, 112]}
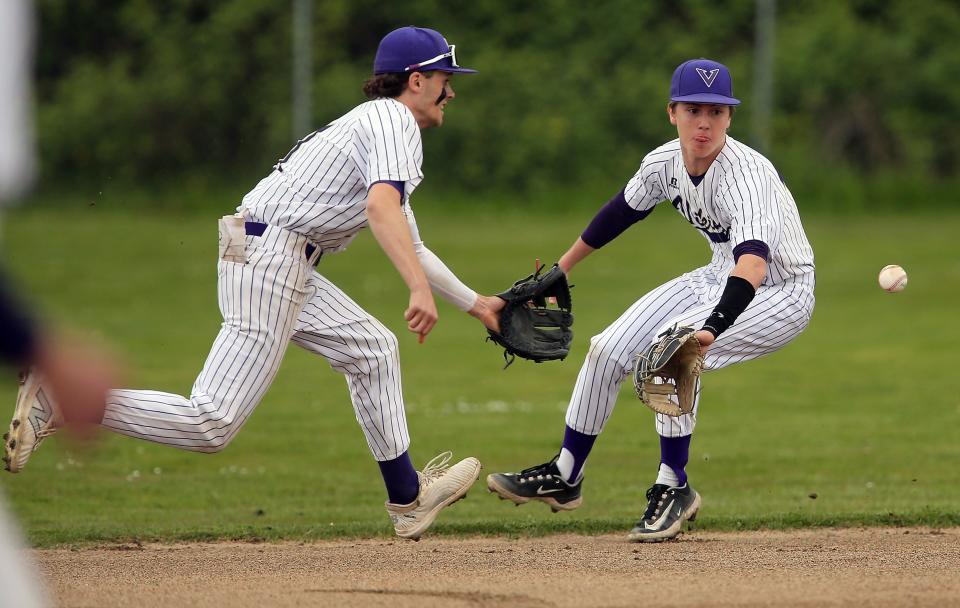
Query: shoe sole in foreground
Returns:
{"type": "Point", "coordinates": [431, 515]}
{"type": "Point", "coordinates": [12, 443]}
{"type": "Point", "coordinates": [506, 494]}
{"type": "Point", "coordinates": [673, 531]}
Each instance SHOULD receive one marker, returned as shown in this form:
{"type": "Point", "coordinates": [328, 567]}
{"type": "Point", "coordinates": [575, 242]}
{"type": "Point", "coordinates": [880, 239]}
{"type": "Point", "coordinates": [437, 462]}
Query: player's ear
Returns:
{"type": "Point", "coordinates": [416, 81]}
{"type": "Point", "coordinates": [673, 117]}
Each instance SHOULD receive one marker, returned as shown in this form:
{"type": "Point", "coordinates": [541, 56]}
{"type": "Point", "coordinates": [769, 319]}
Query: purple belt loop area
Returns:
{"type": "Point", "coordinates": [258, 228]}
{"type": "Point", "coordinates": [255, 228]}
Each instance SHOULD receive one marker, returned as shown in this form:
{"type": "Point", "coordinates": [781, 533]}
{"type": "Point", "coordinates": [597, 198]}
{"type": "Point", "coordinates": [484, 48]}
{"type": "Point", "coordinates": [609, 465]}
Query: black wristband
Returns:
{"type": "Point", "coordinates": [737, 295]}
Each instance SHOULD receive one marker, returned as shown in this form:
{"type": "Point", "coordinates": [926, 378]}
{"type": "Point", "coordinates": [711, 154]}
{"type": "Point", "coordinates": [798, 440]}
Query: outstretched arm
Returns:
{"type": "Point", "coordinates": [742, 284]}
{"type": "Point", "coordinates": [448, 286]}
{"type": "Point", "coordinates": [572, 257]}
{"type": "Point", "coordinates": [609, 223]}
{"type": "Point", "coordinates": [389, 227]}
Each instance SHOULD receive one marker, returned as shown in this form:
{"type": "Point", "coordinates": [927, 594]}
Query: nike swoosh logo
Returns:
{"type": "Point", "coordinates": [662, 518]}
{"type": "Point", "coordinates": [541, 491]}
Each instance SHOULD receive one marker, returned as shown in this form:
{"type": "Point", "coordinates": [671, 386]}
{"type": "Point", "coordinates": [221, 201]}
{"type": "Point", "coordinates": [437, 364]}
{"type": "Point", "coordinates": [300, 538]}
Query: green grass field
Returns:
{"type": "Point", "coordinates": [862, 409]}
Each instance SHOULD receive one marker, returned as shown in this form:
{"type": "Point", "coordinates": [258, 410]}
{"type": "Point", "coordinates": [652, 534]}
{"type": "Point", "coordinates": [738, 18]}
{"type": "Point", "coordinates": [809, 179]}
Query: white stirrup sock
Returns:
{"type": "Point", "coordinates": [565, 463]}
{"type": "Point", "coordinates": [667, 476]}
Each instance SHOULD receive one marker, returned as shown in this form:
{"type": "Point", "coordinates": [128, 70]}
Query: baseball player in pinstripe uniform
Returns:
{"type": "Point", "coordinates": [754, 296]}
{"type": "Point", "coordinates": [359, 170]}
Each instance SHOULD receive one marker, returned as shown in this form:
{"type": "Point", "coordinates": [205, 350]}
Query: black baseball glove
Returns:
{"type": "Point", "coordinates": [528, 327]}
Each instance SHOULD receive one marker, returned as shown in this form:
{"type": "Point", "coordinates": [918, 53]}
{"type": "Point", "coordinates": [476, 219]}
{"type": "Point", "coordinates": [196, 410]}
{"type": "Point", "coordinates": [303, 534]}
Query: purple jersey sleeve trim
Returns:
{"type": "Point", "coordinates": [395, 184]}
{"type": "Point", "coordinates": [19, 340]}
{"type": "Point", "coordinates": [757, 248]}
{"type": "Point", "coordinates": [612, 219]}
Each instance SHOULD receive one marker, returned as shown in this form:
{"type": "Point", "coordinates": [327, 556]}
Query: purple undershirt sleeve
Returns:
{"type": "Point", "coordinates": [395, 184]}
{"type": "Point", "coordinates": [612, 219]}
{"type": "Point", "coordinates": [755, 247]}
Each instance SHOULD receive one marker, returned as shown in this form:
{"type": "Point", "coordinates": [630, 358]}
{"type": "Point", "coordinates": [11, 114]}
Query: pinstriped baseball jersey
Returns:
{"type": "Point", "coordinates": [741, 198]}
{"type": "Point", "coordinates": [319, 189]}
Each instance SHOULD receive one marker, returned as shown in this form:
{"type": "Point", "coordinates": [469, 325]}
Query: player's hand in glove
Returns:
{"type": "Point", "coordinates": [530, 326]}
{"type": "Point", "coordinates": [487, 311]}
{"type": "Point", "coordinates": [665, 374]}
{"type": "Point", "coordinates": [705, 338]}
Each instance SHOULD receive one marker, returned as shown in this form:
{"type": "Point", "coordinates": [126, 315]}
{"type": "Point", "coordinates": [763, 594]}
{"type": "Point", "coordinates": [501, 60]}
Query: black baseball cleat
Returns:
{"type": "Point", "coordinates": [542, 482]}
{"type": "Point", "coordinates": [667, 509]}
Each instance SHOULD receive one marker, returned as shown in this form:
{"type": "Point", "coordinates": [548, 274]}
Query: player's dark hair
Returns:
{"type": "Point", "coordinates": [388, 85]}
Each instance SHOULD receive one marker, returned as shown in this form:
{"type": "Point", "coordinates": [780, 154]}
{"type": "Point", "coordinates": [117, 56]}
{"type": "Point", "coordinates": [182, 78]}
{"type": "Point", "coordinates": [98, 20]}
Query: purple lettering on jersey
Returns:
{"type": "Point", "coordinates": [394, 183]}
{"type": "Point", "coordinates": [754, 247]}
{"type": "Point", "coordinates": [713, 229]}
{"type": "Point", "coordinates": [612, 219]}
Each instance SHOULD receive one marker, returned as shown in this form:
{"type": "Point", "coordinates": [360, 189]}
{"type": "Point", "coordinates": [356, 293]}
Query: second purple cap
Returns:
{"type": "Point", "coordinates": [703, 81]}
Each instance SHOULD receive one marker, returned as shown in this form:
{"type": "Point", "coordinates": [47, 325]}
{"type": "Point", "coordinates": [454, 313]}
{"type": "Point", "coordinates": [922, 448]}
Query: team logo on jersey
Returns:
{"type": "Point", "coordinates": [714, 230]}
{"type": "Point", "coordinates": [708, 77]}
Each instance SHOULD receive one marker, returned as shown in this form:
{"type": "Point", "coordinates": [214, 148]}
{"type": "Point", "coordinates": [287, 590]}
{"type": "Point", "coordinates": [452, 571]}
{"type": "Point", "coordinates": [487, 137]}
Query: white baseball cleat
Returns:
{"type": "Point", "coordinates": [440, 486]}
{"type": "Point", "coordinates": [35, 419]}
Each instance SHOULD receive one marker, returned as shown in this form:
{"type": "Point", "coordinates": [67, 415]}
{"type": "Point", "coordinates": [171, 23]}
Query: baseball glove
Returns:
{"type": "Point", "coordinates": [528, 328]}
{"type": "Point", "coordinates": [675, 360]}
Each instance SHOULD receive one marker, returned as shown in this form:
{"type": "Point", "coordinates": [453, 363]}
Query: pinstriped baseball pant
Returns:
{"type": "Point", "coordinates": [777, 314]}
{"type": "Point", "coordinates": [274, 298]}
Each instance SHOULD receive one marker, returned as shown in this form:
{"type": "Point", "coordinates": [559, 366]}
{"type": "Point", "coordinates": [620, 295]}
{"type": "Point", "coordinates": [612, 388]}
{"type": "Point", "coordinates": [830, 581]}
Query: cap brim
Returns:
{"type": "Point", "coordinates": [713, 98]}
{"type": "Point", "coordinates": [450, 70]}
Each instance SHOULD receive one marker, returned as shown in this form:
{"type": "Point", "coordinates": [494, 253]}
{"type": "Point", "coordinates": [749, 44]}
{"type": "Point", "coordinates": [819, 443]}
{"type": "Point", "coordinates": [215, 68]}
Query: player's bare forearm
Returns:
{"type": "Point", "coordinates": [752, 268]}
{"type": "Point", "coordinates": [574, 255]}
{"type": "Point", "coordinates": [390, 228]}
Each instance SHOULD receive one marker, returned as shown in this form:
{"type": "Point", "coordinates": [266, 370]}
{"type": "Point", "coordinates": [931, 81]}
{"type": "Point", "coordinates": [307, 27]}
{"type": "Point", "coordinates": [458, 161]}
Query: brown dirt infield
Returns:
{"type": "Point", "coordinates": [877, 567]}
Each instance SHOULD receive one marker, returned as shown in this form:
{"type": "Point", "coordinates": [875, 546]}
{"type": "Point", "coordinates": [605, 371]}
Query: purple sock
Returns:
{"type": "Point", "coordinates": [674, 452]}
{"type": "Point", "coordinates": [401, 479]}
{"type": "Point", "coordinates": [579, 446]}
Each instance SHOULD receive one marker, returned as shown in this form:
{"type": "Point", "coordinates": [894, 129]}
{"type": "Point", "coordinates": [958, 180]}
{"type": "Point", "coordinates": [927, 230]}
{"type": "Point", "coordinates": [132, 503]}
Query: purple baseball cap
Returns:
{"type": "Point", "coordinates": [703, 81]}
{"type": "Point", "coordinates": [416, 49]}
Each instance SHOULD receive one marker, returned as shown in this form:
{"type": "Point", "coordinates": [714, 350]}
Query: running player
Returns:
{"type": "Point", "coordinates": [754, 296]}
{"type": "Point", "coordinates": [359, 170]}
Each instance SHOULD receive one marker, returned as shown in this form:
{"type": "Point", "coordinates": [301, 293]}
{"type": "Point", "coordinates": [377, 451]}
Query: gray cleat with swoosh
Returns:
{"type": "Point", "coordinates": [667, 509]}
{"type": "Point", "coordinates": [542, 482]}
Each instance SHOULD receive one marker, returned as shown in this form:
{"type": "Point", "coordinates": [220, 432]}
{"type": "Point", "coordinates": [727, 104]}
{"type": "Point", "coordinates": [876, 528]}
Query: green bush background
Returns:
{"type": "Point", "coordinates": [191, 94]}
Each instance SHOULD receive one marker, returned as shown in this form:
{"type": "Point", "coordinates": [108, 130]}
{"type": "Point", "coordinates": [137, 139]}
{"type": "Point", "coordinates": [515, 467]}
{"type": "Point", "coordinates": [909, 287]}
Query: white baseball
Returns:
{"type": "Point", "coordinates": [893, 278]}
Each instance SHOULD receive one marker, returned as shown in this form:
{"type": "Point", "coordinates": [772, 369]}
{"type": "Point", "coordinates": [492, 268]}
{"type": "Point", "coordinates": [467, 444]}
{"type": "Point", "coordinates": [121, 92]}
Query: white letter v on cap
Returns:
{"type": "Point", "coordinates": [708, 77]}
